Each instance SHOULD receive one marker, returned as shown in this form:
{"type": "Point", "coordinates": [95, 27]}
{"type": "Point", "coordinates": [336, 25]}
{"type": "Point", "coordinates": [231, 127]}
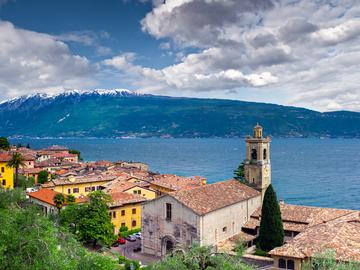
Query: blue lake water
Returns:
{"type": "Point", "coordinates": [317, 172]}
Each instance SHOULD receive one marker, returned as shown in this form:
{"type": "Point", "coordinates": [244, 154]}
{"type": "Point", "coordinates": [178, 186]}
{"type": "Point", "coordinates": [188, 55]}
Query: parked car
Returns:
{"type": "Point", "coordinates": [137, 249]}
{"type": "Point", "coordinates": [137, 236]}
{"type": "Point", "coordinates": [121, 241]}
{"type": "Point", "coordinates": [130, 238]}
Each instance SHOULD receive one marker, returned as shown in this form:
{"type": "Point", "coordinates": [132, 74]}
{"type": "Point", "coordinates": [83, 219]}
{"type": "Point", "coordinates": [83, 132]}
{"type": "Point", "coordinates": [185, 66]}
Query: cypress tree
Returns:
{"type": "Point", "coordinates": [271, 226]}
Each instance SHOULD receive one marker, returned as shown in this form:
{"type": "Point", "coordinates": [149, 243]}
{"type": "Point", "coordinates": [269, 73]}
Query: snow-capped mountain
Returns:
{"type": "Point", "coordinates": [124, 113]}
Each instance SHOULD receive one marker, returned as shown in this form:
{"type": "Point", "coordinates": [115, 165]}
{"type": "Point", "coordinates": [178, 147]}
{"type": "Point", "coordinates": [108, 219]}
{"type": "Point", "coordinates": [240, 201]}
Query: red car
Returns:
{"type": "Point", "coordinates": [121, 241]}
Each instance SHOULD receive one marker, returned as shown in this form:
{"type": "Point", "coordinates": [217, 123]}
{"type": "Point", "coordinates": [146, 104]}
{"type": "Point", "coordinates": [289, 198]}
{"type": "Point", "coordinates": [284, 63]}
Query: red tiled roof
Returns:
{"type": "Point", "coordinates": [4, 157]}
{"type": "Point", "coordinates": [47, 196]}
{"type": "Point", "coordinates": [208, 198]}
{"type": "Point", "coordinates": [121, 198]}
{"type": "Point", "coordinates": [175, 182]}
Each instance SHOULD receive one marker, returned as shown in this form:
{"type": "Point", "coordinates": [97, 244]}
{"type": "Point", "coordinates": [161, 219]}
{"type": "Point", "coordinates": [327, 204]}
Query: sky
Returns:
{"type": "Point", "coordinates": [293, 52]}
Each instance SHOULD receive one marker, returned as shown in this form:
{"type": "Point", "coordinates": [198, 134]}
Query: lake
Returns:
{"type": "Point", "coordinates": [316, 172]}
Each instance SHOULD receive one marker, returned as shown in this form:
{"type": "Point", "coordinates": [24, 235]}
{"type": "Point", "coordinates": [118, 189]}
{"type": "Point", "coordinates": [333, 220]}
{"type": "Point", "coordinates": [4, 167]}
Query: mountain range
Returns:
{"type": "Point", "coordinates": [124, 113]}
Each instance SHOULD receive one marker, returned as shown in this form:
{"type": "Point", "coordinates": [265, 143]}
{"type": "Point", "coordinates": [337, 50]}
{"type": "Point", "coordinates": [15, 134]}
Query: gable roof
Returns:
{"type": "Point", "coordinates": [47, 196]}
{"type": "Point", "coordinates": [341, 235]}
{"type": "Point", "coordinates": [122, 198]}
{"type": "Point", "coordinates": [175, 182]}
{"type": "Point", "coordinates": [208, 198]}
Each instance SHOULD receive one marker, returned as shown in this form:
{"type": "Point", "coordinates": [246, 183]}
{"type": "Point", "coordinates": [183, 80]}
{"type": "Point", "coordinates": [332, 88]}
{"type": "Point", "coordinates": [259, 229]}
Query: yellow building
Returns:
{"type": "Point", "coordinates": [125, 210]}
{"type": "Point", "coordinates": [78, 186]}
{"type": "Point", "coordinates": [129, 187]}
{"type": "Point", "coordinates": [6, 173]}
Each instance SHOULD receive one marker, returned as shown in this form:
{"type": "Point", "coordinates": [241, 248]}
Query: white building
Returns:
{"type": "Point", "coordinates": [206, 215]}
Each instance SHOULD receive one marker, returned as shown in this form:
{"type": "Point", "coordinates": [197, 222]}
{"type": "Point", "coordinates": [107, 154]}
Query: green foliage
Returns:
{"type": "Point", "coordinates": [123, 228]}
{"type": "Point", "coordinates": [30, 241]}
{"type": "Point", "coordinates": [43, 177]}
{"type": "Point", "coordinates": [76, 152]}
{"type": "Point", "coordinates": [240, 247]}
{"type": "Point", "coordinates": [271, 227]}
{"type": "Point", "coordinates": [59, 200]}
{"type": "Point", "coordinates": [24, 182]}
{"type": "Point", "coordinates": [239, 173]}
{"type": "Point", "coordinates": [16, 161]}
{"type": "Point", "coordinates": [70, 199]}
{"type": "Point", "coordinates": [90, 222]}
{"type": "Point", "coordinates": [199, 258]}
{"type": "Point", "coordinates": [260, 252]}
{"type": "Point", "coordinates": [122, 259]}
{"type": "Point", "coordinates": [4, 143]}
{"type": "Point", "coordinates": [132, 265]}
{"type": "Point", "coordinates": [129, 232]}
{"type": "Point", "coordinates": [326, 260]}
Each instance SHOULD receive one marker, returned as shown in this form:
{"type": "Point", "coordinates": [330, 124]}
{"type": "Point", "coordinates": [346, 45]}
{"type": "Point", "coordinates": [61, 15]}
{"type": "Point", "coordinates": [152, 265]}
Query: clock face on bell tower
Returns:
{"type": "Point", "coordinates": [257, 163]}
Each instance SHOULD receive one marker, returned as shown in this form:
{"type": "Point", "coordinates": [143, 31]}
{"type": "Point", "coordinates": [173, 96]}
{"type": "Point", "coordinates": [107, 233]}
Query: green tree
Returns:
{"type": "Point", "coordinates": [25, 182]}
{"type": "Point", "coordinates": [95, 223]}
{"type": "Point", "coordinates": [16, 161]}
{"type": "Point", "coordinates": [271, 227]}
{"type": "Point", "coordinates": [76, 152]}
{"type": "Point", "coordinates": [4, 143]}
{"type": "Point", "coordinates": [70, 199]}
{"type": "Point", "coordinates": [30, 241]}
{"type": "Point", "coordinates": [239, 173]}
{"type": "Point", "coordinates": [59, 200]}
{"type": "Point", "coordinates": [43, 177]}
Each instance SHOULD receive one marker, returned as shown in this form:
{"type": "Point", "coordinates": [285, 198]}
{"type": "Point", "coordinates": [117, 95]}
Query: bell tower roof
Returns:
{"type": "Point", "coordinates": [258, 131]}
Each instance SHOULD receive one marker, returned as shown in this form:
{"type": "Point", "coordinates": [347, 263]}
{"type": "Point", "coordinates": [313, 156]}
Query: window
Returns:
{"type": "Point", "coordinates": [69, 190]}
{"type": "Point", "coordinates": [224, 229]}
{"type": "Point", "coordinates": [2, 169]}
{"type": "Point", "coordinates": [139, 191]}
{"type": "Point", "coordinates": [87, 189]}
{"type": "Point", "coordinates": [75, 190]}
{"type": "Point", "coordinates": [122, 212]}
{"type": "Point", "coordinates": [123, 224]}
{"type": "Point", "coordinates": [253, 154]}
{"type": "Point", "coordinates": [93, 188]}
{"type": "Point", "coordinates": [282, 264]}
{"type": "Point", "coordinates": [290, 264]}
{"type": "Point", "coordinates": [264, 154]}
{"type": "Point", "coordinates": [168, 212]}
{"type": "Point", "coordinates": [133, 223]}
{"type": "Point", "coordinates": [134, 211]}
{"type": "Point", "coordinates": [4, 182]}
{"type": "Point", "coordinates": [114, 214]}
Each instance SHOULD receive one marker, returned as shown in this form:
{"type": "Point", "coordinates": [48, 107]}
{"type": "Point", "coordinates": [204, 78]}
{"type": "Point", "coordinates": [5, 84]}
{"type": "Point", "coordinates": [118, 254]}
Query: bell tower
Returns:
{"type": "Point", "coordinates": [257, 163]}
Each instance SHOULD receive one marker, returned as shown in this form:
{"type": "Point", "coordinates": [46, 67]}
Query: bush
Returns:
{"type": "Point", "coordinates": [132, 265]}
{"type": "Point", "coordinates": [127, 233]}
{"type": "Point", "coordinates": [260, 252]}
{"type": "Point", "coordinates": [122, 259]}
{"type": "Point", "coordinates": [123, 228]}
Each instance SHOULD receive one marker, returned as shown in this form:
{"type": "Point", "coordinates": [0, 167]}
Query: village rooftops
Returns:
{"type": "Point", "coordinates": [47, 196]}
{"type": "Point", "coordinates": [174, 182]}
{"type": "Point", "coordinates": [208, 198]}
{"type": "Point", "coordinates": [118, 186]}
{"type": "Point", "coordinates": [341, 234]}
{"type": "Point", "coordinates": [4, 157]}
{"type": "Point", "coordinates": [122, 198]}
{"type": "Point", "coordinates": [297, 218]}
{"type": "Point", "coordinates": [77, 180]}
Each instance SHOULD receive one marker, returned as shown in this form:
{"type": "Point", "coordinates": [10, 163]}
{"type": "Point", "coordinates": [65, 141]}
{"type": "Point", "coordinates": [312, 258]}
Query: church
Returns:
{"type": "Point", "coordinates": [212, 213]}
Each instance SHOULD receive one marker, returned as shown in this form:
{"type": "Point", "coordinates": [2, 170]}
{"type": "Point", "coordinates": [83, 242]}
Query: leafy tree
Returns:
{"type": "Point", "coordinates": [16, 161]}
{"type": "Point", "coordinates": [25, 182]}
{"type": "Point", "coordinates": [43, 177]}
{"type": "Point", "coordinates": [271, 227]}
{"type": "Point", "coordinates": [30, 241]}
{"type": "Point", "coordinates": [240, 173]}
{"type": "Point", "coordinates": [76, 152]}
{"type": "Point", "coordinates": [4, 143]}
{"type": "Point", "coordinates": [70, 198]}
{"type": "Point", "coordinates": [96, 225]}
{"type": "Point", "coordinates": [199, 258]}
{"type": "Point", "coordinates": [59, 200]}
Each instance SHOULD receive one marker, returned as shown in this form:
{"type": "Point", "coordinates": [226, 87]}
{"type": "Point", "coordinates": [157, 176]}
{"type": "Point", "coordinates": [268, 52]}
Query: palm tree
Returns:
{"type": "Point", "coordinates": [16, 161]}
{"type": "Point", "coordinates": [59, 200]}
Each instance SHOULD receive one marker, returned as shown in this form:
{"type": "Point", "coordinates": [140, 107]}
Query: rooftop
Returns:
{"type": "Point", "coordinates": [175, 182]}
{"type": "Point", "coordinates": [208, 198]}
{"type": "Point", "coordinates": [47, 196]}
{"type": "Point", "coordinates": [122, 198]}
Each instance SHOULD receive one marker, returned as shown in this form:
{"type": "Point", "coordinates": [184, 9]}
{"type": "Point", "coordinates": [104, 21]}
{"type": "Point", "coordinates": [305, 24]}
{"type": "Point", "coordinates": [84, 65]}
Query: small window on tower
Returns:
{"type": "Point", "coordinates": [253, 154]}
{"type": "Point", "coordinates": [265, 154]}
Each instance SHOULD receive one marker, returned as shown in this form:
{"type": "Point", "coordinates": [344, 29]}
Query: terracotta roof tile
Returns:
{"type": "Point", "coordinates": [175, 182]}
{"type": "Point", "coordinates": [208, 198]}
{"type": "Point", "coordinates": [122, 198]}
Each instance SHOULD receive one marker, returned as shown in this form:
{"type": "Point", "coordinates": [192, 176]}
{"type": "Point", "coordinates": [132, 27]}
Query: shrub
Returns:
{"type": "Point", "coordinates": [127, 233]}
{"type": "Point", "coordinates": [123, 228]}
{"type": "Point", "coordinates": [132, 265]}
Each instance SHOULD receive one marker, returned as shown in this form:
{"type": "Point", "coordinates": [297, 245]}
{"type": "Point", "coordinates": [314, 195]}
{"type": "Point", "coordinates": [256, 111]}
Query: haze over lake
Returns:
{"type": "Point", "coordinates": [317, 172]}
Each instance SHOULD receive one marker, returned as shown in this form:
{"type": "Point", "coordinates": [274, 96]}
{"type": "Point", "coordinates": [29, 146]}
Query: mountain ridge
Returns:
{"type": "Point", "coordinates": [122, 113]}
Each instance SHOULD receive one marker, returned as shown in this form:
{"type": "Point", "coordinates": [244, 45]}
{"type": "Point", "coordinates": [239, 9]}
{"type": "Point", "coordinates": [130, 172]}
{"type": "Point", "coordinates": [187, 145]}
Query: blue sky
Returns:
{"type": "Point", "coordinates": [302, 53]}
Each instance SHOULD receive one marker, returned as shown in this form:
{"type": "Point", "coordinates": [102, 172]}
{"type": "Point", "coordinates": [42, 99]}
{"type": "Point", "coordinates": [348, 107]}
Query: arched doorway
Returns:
{"type": "Point", "coordinates": [167, 245]}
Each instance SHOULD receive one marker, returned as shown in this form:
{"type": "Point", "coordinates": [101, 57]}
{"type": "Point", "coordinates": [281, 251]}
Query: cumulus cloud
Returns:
{"type": "Point", "coordinates": [31, 61]}
{"type": "Point", "coordinates": [308, 50]}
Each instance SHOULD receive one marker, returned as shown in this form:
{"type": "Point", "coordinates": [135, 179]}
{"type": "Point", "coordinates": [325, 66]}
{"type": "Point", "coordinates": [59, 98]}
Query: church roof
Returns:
{"type": "Point", "coordinates": [208, 198]}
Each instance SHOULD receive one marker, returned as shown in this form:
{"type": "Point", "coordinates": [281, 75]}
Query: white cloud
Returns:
{"type": "Point", "coordinates": [307, 50]}
{"type": "Point", "coordinates": [31, 61]}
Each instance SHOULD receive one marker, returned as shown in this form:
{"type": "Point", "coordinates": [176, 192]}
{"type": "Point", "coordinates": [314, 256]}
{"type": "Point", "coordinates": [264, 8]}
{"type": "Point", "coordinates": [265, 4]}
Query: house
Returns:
{"type": "Point", "coordinates": [125, 210]}
{"type": "Point", "coordinates": [165, 183]}
{"type": "Point", "coordinates": [6, 173]}
{"type": "Point", "coordinates": [341, 234]}
{"type": "Point", "coordinates": [129, 187]}
{"type": "Point", "coordinates": [45, 199]}
{"type": "Point", "coordinates": [206, 214]}
{"type": "Point", "coordinates": [79, 185]}
{"type": "Point", "coordinates": [31, 172]}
